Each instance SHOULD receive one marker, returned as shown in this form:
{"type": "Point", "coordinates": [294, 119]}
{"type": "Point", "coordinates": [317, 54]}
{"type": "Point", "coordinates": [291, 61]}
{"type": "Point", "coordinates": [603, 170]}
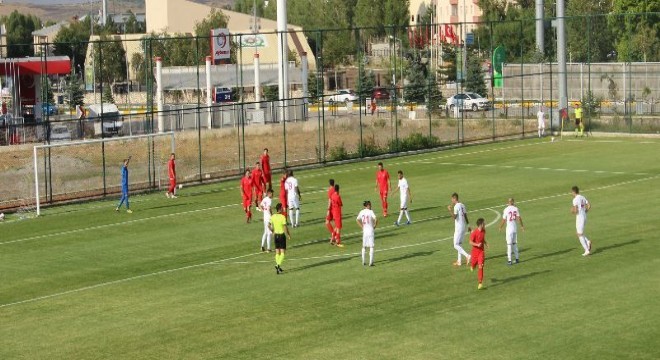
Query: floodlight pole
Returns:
{"type": "Point", "coordinates": [561, 55]}
{"type": "Point", "coordinates": [282, 55]}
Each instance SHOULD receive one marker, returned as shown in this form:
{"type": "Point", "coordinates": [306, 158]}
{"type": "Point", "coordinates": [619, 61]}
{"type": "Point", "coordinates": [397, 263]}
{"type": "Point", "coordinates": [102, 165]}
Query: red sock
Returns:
{"type": "Point", "coordinates": [330, 228]}
{"type": "Point", "coordinates": [385, 206]}
{"type": "Point", "coordinates": [481, 275]}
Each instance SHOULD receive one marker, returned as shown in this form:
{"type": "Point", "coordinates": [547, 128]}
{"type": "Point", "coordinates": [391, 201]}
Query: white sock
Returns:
{"type": "Point", "coordinates": [583, 241]}
{"type": "Point", "coordinates": [263, 239]}
{"type": "Point", "coordinates": [407, 215]}
{"type": "Point", "coordinates": [297, 217]}
{"type": "Point", "coordinates": [515, 251]}
{"type": "Point", "coordinates": [508, 252]}
{"type": "Point", "coordinates": [400, 216]}
{"type": "Point", "coordinates": [460, 250]}
{"type": "Point", "coordinates": [363, 256]}
{"type": "Point", "coordinates": [291, 216]}
{"type": "Point", "coordinates": [371, 256]}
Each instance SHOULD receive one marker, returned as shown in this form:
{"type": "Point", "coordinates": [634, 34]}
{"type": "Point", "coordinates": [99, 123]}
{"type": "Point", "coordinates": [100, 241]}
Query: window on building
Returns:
{"type": "Point", "coordinates": [454, 10]}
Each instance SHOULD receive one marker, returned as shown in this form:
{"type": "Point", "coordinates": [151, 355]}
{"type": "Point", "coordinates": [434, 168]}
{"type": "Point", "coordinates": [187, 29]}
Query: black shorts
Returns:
{"type": "Point", "coordinates": [280, 241]}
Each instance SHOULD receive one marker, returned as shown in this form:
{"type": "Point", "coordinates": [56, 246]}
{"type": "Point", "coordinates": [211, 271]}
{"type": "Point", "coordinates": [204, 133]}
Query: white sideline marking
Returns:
{"type": "Point", "coordinates": [215, 262]}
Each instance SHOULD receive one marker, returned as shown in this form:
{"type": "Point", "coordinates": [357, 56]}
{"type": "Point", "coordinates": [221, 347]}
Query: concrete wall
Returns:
{"type": "Point", "coordinates": [629, 81]}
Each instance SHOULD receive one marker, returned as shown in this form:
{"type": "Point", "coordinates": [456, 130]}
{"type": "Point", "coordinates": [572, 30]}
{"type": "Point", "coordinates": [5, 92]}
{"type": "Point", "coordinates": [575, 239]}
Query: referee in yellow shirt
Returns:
{"type": "Point", "coordinates": [579, 122]}
{"type": "Point", "coordinates": [278, 226]}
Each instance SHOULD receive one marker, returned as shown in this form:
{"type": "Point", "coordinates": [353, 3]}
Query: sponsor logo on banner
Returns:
{"type": "Point", "coordinates": [253, 40]}
{"type": "Point", "coordinates": [220, 45]}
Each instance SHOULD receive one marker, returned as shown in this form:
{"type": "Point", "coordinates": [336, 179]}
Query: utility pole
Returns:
{"type": "Point", "coordinates": [561, 55]}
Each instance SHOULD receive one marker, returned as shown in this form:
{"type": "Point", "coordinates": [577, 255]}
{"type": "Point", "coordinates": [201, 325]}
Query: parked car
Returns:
{"type": "Point", "coordinates": [48, 109]}
{"type": "Point", "coordinates": [60, 132]}
{"type": "Point", "coordinates": [343, 96]}
{"type": "Point", "coordinates": [470, 101]}
{"type": "Point", "coordinates": [380, 93]}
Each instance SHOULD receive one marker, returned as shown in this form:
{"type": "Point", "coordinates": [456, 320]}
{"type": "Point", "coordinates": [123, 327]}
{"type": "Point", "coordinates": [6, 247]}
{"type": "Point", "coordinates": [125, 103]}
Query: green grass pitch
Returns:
{"type": "Point", "coordinates": [184, 278]}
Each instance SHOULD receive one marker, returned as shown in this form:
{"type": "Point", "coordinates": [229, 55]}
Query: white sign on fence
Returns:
{"type": "Point", "coordinates": [220, 44]}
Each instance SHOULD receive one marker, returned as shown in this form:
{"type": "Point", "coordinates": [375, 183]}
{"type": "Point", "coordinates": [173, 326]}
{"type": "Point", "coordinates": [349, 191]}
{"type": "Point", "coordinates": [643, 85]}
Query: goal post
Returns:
{"type": "Point", "coordinates": [92, 168]}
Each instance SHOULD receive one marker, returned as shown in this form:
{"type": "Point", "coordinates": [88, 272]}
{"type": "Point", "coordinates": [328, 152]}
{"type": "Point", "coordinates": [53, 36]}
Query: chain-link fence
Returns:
{"type": "Point", "coordinates": [352, 94]}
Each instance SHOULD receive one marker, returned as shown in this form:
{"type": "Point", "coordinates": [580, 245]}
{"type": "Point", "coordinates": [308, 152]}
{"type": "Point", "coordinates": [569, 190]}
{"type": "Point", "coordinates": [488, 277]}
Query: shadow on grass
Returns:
{"type": "Point", "coordinates": [550, 254]}
{"type": "Point", "coordinates": [615, 246]}
{"type": "Point", "coordinates": [502, 255]}
{"type": "Point", "coordinates": [337, 260]}
{"type": "Point", "coordinates": [504, 281]}
{"type": "Point", "coordinates": [409, 256]}
{"type": "Point", "coordinates": [356, 238]}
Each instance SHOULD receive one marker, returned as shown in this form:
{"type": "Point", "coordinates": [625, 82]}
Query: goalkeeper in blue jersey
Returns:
{"type": "Point", "coordinates": [124, 186]}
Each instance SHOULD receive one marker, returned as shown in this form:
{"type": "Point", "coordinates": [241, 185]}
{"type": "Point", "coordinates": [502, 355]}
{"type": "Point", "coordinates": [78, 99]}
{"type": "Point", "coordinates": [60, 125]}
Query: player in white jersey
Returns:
{"type": "Point", "coordinates": [367, 220]}
{"type": "Point", "coordinates": [406, 196]}
{"type": "Point", "coordinates": [580, 208]}
{"type": "Point", "coordinates": [265, 207]}
{"type": "Point", "coordinates": [459, 214]}
{"type": "Point", "coordinates": [540, 116]}
{"type": "Point", "coordinates": [511, 216]}
{"type": "Point", "coordinates": [293, 198]}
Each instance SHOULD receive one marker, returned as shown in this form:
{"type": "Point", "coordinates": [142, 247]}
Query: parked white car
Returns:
{"type": "Point", "coordinates": [470, 101]}
{"type": "Point", "coordinates": [60, 132]}
{"type": "Point", "coordinates": [343, 96]}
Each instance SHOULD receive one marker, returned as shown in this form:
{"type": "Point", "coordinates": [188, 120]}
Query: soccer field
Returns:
{"type": "Point", "coordinates": [185, 278]}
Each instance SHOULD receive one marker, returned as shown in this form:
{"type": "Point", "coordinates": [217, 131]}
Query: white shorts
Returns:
{"type": "Point", "coordinates": [541, 124]}
{"type": "Point", "coordinates": [458, 235]}
{"type": "Point", "coordinates": [511, 238]}
{"type": "Point", "coordinates": [368, 240]}
{"type": "Point", "coordinates": [293, 203]}
{"type": "Point", "coordinates": [580, 221]}
{"type": "Point", "coordinates": [404, 202]}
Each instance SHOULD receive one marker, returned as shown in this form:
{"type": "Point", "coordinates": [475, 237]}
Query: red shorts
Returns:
{"type": "Point", "coordinates": [258, 193]}
{"type": "Point", "coordinates": [246, 202]}
{"type": "Point", "coordinates": [267, 176]}
{"type": "Point", "coordinates": [383, 194]}
{"type": "Point", "coordinates": [328, 216]}
{"type": "Point", "coordinates": [478, 257]}
{"type": "Point", "coordinates": [337, 218]}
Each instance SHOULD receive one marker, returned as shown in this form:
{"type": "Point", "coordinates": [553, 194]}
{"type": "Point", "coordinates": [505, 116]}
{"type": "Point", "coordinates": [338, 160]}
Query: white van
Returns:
{"type": "Point", "coordinates": [106, 119]}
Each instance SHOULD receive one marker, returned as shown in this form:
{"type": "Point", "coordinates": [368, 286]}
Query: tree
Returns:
{"type": "Point", "coordinates": [366, 83]}
{"type": "Point", "coordinates": [369, 15]}
{"type": "Point", "coordinates": [215, 19]}
{"type": "Point", "coordinates": [107, 97]}
{"type": "Point", "coordinates": [588, 34]}
{"type": "Point", "coordinates": [433, 95]}
{"type": "Point", "coordinates": [132, 25]}
{"type": "Point", "coordinates": [19, 33]}
{"type": "Point", "coordinates": [72, 41]}
{"type": "Point", "coordinates": [636, 28]}
{"type": "Point", "coordinates": [416, 88]}
{"type": "Point", "coordinates": [474, 80]}
{"type": "Point", "coordinates": [312, 87]}
{"type": "Point", "coordinates": [74, 91]}
{"type": "Point", "coordinates": [110, 60]}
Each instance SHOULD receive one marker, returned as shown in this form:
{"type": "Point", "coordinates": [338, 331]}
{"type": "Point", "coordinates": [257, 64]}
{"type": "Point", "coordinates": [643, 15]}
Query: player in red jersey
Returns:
{"type": "Point", "coordinates": [336, 215]}
{"type": "Point", "coordinates": [246, 192]}
{"type": "Point", "coordinates": [258, 184]}
{"type": "Point", "coordinates": [171, 171]}
{"type": "Point", "coordinates": [283, 191]}
{"type": "Point", "coordinates": [265, 167]}
{"type": "Point", "coordinates": [328, 215]}
{"type": "Point", "coordinates": [383, 186]}
{"type": "Point", "coordinates": [478, 242]}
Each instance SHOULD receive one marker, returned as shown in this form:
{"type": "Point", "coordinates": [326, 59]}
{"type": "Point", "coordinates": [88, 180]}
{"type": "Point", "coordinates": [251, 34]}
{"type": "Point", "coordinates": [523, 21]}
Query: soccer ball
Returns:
{"type": "Point", "coordinates": [552, 139]}
{"type": "Point", "coordinates": [180, 186]}
{"type": "Point", "coordinates": [2, 216]}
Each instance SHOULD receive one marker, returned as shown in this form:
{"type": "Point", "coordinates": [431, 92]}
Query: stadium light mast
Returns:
{"type": "Point", "coordinates": [282, 54]}
{"type": "Point", "coordinates": [105, 12]}
{"type": "Point", "coordinates": [561, 54]}
{"type": "Point", "coordinates": [540, 43]}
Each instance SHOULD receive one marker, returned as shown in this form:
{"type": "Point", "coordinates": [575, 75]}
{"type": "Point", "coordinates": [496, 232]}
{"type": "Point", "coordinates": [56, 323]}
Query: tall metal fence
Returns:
{"type": "Point", "coordinates": [402, 82]}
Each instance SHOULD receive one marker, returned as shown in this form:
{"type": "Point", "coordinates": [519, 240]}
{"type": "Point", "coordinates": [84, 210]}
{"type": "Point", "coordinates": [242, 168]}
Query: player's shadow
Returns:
{"type": "Point", "coordinates": [345, 239]}
{"type": "Point", "coordinates": [336, 260]}
{"type": "Point", "coordinates": [409, 256]}
{"type": "Point", "coordinates": [427, 208]}
{"type": "Point", "coordinates": [550, 254]}
{"type": "Point", "coordinates": [504, 281]}
{"type": "Point", "coordinates": [615, 246]}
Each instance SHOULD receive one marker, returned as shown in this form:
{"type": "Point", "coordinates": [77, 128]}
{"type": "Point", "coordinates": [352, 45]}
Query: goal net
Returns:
{"type": "Point", "coordinates": [92, 168]}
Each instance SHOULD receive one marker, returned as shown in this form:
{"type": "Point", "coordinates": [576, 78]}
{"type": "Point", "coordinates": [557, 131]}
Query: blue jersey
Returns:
{"type": "Point", "coordinates": [124, 176]}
